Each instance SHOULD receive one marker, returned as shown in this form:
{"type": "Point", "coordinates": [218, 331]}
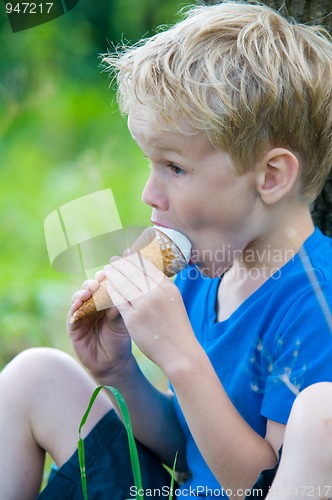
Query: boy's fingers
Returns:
{"type": "Point", "coordinates": [146, 266]}
{"type": "Point", "coordinates": [122, 284]}
{"type": "Point", "coordinates": [88, 287]}
{"type": "Point", "coordinates": [91, 284]}
{"type": "Point", "coordinates": [120, 302]}
{"type": "Point", "coordinates": [130, 278]}
{"type": "Point", "coordinates": [82, 295]}
{"type": "Point", "coordinates": [136, 267]}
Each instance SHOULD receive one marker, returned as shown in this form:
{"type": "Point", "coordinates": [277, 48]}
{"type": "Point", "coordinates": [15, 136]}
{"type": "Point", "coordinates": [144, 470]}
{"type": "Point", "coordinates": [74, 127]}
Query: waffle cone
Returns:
{"type": "Point", "coordinates": [154, 246]}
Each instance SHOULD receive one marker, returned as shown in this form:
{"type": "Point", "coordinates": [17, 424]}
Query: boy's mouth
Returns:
{"type": "Point", "coordinates": [159, 224]}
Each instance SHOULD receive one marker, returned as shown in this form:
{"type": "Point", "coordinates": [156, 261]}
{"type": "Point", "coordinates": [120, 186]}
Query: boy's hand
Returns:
{"type": "Point", "coordinates": [152, 309]}
{"type": "Point", "coordinates": [101, 341]}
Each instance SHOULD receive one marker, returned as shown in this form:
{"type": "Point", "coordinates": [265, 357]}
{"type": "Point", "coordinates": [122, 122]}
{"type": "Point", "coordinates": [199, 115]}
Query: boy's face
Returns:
{"type": "Point", "coordinates": [194, 189]}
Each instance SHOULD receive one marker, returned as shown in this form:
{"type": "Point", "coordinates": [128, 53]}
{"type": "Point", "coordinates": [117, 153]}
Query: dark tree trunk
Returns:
{"type": "Point", "coordinates": [315, 12]}
{"type": "Point", "coordinates": [312, 12]}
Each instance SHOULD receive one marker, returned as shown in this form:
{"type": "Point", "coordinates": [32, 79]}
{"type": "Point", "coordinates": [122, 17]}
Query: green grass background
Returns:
{"type": "Point", "coordinates": [71, 143]}
{"type": "Point", "coordinates": [61, 137]}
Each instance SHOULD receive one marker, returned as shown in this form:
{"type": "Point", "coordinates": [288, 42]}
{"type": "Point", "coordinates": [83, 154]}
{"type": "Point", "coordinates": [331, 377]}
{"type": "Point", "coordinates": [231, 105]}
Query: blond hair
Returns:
{"type": "Point", "coordinates": [243, 74]}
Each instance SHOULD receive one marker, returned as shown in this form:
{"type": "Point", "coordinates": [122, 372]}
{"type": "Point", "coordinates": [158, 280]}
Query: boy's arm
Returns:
{"type": "Point", "coordinates": [235, 453]}
{"type": "Point", "coordinates": [152, 414]}
{"type": "Point", "coordinates": [158, 323]}
{"type": "Point", "coordinates": [103, 346]}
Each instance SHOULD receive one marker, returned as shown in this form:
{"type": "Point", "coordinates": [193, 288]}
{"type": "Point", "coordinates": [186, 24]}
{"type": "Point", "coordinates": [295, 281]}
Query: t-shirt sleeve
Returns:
{"type": "Point", "coordinates": [302, 352]}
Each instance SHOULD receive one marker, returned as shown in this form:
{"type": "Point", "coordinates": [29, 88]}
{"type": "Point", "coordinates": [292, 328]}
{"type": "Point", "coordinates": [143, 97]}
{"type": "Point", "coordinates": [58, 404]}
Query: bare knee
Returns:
{"type": "Point", "coordinates": [315, 402]}
{"type": "Point", "coordinates": [307, 450]}
{"type": "Point", "coordinates": [52, 392]}
{"type": "Point", "coordinates": [34, 365]}
{"type": "Point", "coordinates": [46, 376]}
{"type": "Point", "coordinates": [311, 417]}
{"type": "Point", "coordinates": [43, 377]}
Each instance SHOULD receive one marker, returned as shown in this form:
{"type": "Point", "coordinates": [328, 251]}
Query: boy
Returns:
{"type": "Point", "coordinates": [232, 107]}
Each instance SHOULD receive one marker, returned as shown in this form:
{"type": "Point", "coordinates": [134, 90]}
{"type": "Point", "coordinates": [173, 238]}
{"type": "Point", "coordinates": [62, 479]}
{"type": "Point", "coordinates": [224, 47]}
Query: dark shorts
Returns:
{"type": "Point", "coordinates": [108, 468]}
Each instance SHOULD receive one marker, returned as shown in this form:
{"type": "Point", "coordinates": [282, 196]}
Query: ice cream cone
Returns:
{"type": "Point", "coordinates": [167, 249]}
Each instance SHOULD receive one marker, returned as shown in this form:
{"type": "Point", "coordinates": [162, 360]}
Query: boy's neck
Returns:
{"type": "Point", "coordinates": [281, 240]}
{"type": "Point", "coordinates": [261, 259]}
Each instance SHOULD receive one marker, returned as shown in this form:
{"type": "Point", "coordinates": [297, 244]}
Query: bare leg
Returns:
{"type": "Point", "coordinates": [305, 469]}
{"type": "Point", "coordinates": [43, 396]}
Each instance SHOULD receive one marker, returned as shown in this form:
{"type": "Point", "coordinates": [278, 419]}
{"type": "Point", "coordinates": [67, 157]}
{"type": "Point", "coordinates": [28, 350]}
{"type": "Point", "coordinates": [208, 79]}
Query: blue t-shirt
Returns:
{"type": "Point", "coordinates": [275, 344]}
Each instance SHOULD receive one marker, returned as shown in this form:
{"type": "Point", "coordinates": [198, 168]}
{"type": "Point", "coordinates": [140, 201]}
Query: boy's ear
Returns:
{"type": "Point", "coordinates": [277, 175]}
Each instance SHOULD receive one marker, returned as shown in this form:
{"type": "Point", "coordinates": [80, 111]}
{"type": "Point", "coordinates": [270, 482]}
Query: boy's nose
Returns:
{"type": "Point", "coordinates": [154, 194]}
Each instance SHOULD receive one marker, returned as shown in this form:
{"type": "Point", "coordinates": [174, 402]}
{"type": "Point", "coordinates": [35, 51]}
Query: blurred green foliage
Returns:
{"type": "Point", "coordinates": [61, 137]}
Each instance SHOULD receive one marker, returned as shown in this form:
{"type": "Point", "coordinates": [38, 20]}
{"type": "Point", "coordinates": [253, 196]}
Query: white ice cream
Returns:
{"type": "Point", "coordinates": [179, 239]}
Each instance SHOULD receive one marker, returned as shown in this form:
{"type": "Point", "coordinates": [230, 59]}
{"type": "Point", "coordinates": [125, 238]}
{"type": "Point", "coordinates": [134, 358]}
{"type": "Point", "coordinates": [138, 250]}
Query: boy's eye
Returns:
{"type": "Point", "coordinates": [176, 169]}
